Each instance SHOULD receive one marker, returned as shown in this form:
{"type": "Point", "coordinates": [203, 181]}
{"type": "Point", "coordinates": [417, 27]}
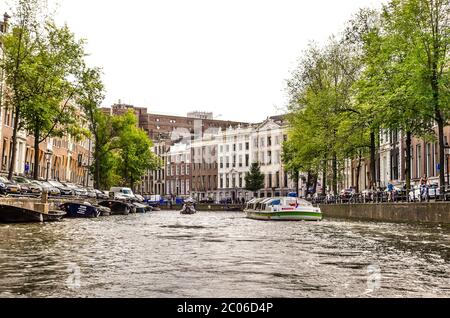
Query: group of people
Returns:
{"type": "Point", "coordinates": [424, 187]}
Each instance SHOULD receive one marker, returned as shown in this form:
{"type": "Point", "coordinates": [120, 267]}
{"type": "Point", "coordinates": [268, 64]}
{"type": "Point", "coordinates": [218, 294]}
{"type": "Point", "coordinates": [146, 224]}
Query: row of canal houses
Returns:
{"type": "Point", "coordinates": [212, 165]}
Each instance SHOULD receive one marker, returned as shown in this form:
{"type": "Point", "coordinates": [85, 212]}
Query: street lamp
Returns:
{"type": "Point", "coordinates": [48, 157]}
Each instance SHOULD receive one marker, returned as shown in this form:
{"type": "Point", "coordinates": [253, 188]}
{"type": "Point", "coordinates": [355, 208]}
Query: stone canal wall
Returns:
{"type": "Point", "coordinates": [433, 212]}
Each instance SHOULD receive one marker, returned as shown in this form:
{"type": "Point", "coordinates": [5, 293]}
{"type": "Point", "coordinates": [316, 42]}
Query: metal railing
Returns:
{"type": "Point", "coordinates": [377, 197]}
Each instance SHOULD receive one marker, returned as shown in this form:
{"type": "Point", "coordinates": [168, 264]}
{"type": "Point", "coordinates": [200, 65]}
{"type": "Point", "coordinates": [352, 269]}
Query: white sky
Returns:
{"type": "Point", "coordinates": [231, 57]}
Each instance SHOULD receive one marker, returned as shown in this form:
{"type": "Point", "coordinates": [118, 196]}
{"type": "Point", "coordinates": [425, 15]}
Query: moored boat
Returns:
{"type": "Point", "coordinates": [117, 207]}
{"type": "Point", "coordinates": [13, 214]}
{"type": "Point", "coordinates": [104, 211]}
{"type": "Point", "coordinates": [80, 210]}
{"type": "Point", "coordinates": [282, 209]}
{"type": "Point", "coordinates": [53, 216]}
{"type": "Point", "coordinates": [141, 208]}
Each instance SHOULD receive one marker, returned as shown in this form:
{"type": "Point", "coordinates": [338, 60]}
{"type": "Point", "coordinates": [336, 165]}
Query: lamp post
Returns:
{"type": "Point", "coordinates": [48, 157]}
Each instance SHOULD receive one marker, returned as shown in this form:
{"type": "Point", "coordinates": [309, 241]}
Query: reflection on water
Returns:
{"type": "Point", "coordinates": [219, 254]}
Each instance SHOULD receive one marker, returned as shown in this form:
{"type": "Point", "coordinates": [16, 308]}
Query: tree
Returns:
{"type": "Point", "coordinates": [52, 83]}
{"type": "Point", "coordinates": [90, 97]}
{"type": "Point", "coordinates": [40, 62]}
{"type": "Point", "coordinates": [134, 150]}
{"type": "Point", "coordinates": [424, 27]}
{"type": "Point", "coordinates": [363, 37]}
{"type": "Point", "coordinates": [320, 99]}
{"type": "Point", "coordinates": [17, 46]}
{"type": "Point", "coordinates": [254, 180]}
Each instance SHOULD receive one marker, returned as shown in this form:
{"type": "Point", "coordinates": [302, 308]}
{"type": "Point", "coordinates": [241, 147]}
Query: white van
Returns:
{"type": "Point", "coordinates": [122, 193]}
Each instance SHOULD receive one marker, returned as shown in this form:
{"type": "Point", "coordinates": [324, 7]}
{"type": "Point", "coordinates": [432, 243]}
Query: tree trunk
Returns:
{"type": "Point", "coordinates": [12, 164]}
{"type": "Point", "coordinates": [36, 154]}
{"type": "Point", "coordinates": [373, 177]}
{"type": "Point", "coordinates": [335, 173]}
{"type": "Point", "coordinates": [324, 178]}
{"type": "Point", "coordinates": [315, 183]}
{"type": "Point", "coordinates": [308, 183]}
{"type": "Point", "coordinates": [408, 161]}
{"type": "Point", "coordinates": [440, 121]}
{"type": "Point", "coordinates": [358, 171]}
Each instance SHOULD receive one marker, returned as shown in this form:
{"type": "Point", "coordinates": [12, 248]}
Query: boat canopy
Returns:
{"type": "Point", "coordinates": [295, 202]}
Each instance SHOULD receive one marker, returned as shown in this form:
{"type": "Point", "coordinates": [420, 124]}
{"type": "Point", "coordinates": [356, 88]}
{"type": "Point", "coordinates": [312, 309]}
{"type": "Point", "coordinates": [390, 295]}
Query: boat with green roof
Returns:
{"type": "Point", "coordinates": [282, 209]}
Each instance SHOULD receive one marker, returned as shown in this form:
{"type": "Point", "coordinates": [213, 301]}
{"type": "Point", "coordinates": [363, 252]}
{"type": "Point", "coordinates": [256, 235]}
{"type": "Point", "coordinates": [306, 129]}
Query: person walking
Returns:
{"type": "Point", "coordinates": [390, 190]}
{"type": "Point", "coordinates": [27, 168]}
{"type": "Point", "coordinates": [424, 188]}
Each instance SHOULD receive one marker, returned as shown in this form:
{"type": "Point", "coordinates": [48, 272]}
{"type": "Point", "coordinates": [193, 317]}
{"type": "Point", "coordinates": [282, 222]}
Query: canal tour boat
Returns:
{"type": "Point", "coordinates": [282, 209]}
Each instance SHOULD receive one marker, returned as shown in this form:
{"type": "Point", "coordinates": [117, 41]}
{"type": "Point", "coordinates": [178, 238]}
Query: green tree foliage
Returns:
{"type": "Point", "coordinates": [122, 152]}
{"type": "Point", "coordinates": [389, 71]}
{"type": "Point", "coordinates": [254, 180]}
{"type": "Point", "coordinates": [134, 150]}
{"type": "Point", "coordinates": [418, 37]}
{"type": "Point", "coordinates": [40, 65]}
{"type": "Point", "coordinates": [320, 100]}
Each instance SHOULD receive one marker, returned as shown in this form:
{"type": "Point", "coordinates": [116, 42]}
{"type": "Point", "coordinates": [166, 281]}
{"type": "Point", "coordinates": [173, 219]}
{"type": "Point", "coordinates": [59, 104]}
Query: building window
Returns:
{"type": "Point", "coordinates": [247, 146]}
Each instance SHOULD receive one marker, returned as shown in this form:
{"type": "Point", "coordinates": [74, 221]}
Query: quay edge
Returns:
{"type": "Point", "coordinates": [431, 212]}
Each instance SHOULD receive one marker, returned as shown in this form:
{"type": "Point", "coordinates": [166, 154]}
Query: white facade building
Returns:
{"type": "Point", "coordinates": [266, 148]}
{"type": "Point", "coordinates": [234, 161]}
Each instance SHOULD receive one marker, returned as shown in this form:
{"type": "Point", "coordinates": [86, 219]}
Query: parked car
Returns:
{"type": "Point", "coordinates": [28, 187]}
{"type": "Point", "coordinates": [101, 195]}
{"type": "Point", "coordinates": [9, 187]}
{"type": "Point", "coordinates": [122, 193]}
{"type": "Point", "coordinates": [77, 190]}
{"type": "Point", "coordinates": [62, 188]}
{"type": "Point", "coordinates": [91, 193]}
{"type": "Point", "coordinates": [53, 191]}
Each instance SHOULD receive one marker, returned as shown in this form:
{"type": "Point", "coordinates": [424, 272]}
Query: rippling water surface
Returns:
{"type": "Point", "coordinates": [222, 254]}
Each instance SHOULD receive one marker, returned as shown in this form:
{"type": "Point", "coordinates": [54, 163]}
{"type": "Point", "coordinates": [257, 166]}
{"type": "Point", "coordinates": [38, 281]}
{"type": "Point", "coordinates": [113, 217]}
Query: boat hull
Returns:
{"type": "Point", "coordinates": [11, 214]}
{"type": "Point", "coordinates": [54, 216]}
{"type": "Point", "coordinates": [117, 207]}
{"type": "Point", "coordinates": [77, 210]}
{"type": "Point", "coordinates": [285, 215]}
{"type": "Point", "coordinates": [188, 211]}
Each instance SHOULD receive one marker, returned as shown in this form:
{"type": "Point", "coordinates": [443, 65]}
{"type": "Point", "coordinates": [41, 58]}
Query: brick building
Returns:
{"type": "Point", "coordinates": [166, 131]}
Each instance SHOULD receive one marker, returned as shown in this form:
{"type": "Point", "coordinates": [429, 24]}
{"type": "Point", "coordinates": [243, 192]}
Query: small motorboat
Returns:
{"type": "Point", "coordinates": [54, 216]}
{"type": "Point", "coordinates": [188, 207]}
{"type": "Point", "coordinates": [282, 209]}
{"type": "Point", "coordinates": [13, 214]}
{"type": "Point", "coordinates": [117, 207]}
{"type": "Point", "coordinates": [80, 210]}
{"type": "Point", "coordinates": [141, 208]}
{"type": "Point", "coordinates": [104, 211]}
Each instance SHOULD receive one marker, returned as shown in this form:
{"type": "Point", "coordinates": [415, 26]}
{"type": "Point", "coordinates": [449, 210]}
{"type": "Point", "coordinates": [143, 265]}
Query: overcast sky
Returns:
{"type": "Point", "coordinates": [231, 57]}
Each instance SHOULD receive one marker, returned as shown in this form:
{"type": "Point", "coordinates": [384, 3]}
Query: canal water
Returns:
{"type": "Point", "coordinates": [222, 254]}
